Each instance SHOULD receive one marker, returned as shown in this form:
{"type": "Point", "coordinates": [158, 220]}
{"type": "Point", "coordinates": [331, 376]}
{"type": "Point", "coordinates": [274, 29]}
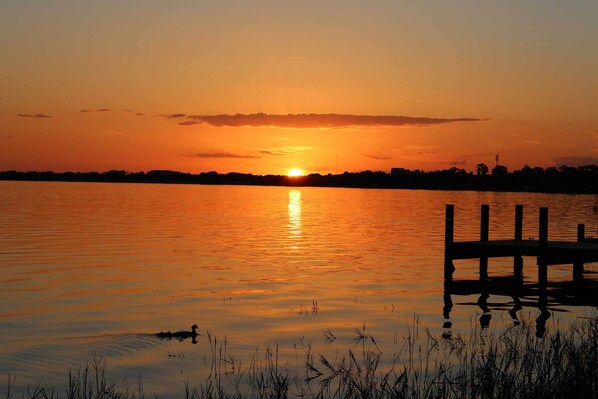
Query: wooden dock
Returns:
{"type": "Point", "coordinates": [584, 250]}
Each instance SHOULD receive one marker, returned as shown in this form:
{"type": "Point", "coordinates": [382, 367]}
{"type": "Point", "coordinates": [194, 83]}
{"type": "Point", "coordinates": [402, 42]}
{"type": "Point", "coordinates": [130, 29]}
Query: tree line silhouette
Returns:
{"type": "Point", "coordinates": [564, 179]}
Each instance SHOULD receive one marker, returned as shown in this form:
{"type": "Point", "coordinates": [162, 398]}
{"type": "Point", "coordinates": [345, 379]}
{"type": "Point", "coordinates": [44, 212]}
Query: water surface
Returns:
{"type": "Point", "coordinates": [101, 267]}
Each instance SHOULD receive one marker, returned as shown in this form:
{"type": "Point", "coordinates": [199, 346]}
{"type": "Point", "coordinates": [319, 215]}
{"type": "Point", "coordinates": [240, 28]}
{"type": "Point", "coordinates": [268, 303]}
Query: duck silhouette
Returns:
{"type": "Point", "coordinates": [180, 335]}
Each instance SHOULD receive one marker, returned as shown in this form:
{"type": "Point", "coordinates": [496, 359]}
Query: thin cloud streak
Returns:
{"type": "Point", "coordinates": [134, 112]}
{"type": "Point", "coordinates": [173, 116]}
{"type": "Point", "coordinates": [190, 123]}
{"type": "Point", "coordinates": [378, 157]}
{"type": "Point", "coordinates": [315, 121]}
{"type": "Point", "coordinates": [286, 150]}
{"type": "Point", "coordinates": [34, 115]}
{"type": "Point", "coordinates": [459, 161]}
{"type": "Point", "coordinates": [95, 110]}
{"type": "Point", "coordinates": [575, 161]}
{"type": "Point", "coordinates": [225, 155]}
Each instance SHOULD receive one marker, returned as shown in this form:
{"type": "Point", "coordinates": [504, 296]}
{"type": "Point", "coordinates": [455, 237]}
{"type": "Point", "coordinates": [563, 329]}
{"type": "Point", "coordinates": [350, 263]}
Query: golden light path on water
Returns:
{"type": "Point", "coordinates": [294, 217]}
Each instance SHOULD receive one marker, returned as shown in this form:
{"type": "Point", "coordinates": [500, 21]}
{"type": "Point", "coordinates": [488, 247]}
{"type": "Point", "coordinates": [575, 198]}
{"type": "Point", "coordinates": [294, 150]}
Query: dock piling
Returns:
{"type": "Point", "coordinates": [484, 229]}
{"type": "Point", "coordinates": [581, 232]}
{"type": "Point", "coordinates": [518, 260]}
{"type": "Point", "coordinates": [543, 238]}
{"type": "Point", "coordinates": [449, 225]}
{"type": "Point", "coordinates": [519, 222]}
{"type": "Point", "coordinates": [543, 233]}
{"type": "Point", "coordinates": [578, 266]}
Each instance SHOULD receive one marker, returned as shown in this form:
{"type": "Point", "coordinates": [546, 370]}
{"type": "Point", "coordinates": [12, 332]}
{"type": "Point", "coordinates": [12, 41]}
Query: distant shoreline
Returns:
{"type": "Point", "coordinates": [566, 180]}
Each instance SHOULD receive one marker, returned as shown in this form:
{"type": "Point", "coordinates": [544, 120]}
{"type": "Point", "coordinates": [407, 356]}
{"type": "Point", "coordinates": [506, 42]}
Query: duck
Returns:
{"type": "Point", "coordinates": [179, 334]}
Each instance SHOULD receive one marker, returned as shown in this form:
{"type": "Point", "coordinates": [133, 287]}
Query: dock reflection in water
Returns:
{"type": "Point", "coordinates": [547, 298]}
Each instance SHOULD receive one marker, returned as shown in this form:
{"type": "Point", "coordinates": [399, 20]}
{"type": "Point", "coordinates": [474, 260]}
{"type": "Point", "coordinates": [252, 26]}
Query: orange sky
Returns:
{"type": "Point", "coordinates": [524, 70]}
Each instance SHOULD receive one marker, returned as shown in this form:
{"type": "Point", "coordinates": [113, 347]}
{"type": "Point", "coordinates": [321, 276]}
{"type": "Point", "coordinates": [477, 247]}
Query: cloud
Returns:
{"type": "Point", "coordinates": [462, 160]}
{"type": "Point", "coordinates": [96, 110]}
{"type": "Point", "coordinates": [416, 149]}
{"type": "Point", "coordinates": [173, 116]}
{"type": "Point", "coordinates": [575, 161]}
{"type": "Point", "coordinates": [378, 157]}
{"type": "Point", "coordinates": [315, 121]}
{"type": "Point", "coordinates": [34, 115]}
{"type": "Point", "coordinates": [530, 142]}
{"type": "Point", "coordinates": [286, 150]}
{"type": "Point", "coordinates": [189, 123]}
{"type": "Point", "coordinates": [225, 155]}
{"type": "Point", "coordinates": [134, 112]}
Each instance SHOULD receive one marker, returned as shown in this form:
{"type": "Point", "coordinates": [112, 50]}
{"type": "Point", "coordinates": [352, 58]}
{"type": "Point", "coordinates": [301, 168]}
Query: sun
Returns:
{"type": "Point", "coordinates": [295, 172]}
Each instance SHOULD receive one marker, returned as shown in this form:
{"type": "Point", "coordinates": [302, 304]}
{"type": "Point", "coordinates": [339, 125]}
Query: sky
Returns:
{"type": "Point", "coordinates": [325, 86]}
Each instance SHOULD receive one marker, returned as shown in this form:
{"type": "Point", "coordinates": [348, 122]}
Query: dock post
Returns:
{"type": "Point", "coordinates": [581, 232]}
{"type": "Point", "coordinates": [518, 260]}
{"type": "Point", "coordinates": [543, 242]}
{"type": "Point", "coordinates": [543, 234]}
{"type": "Point", "coordinates": [578, 266]}
{"type": "Point", "coordinates": [519, 222]}
{"type": "Point", "coordinates": [484, 227]}
{"type": "Point", "coordinates": [449, 224]}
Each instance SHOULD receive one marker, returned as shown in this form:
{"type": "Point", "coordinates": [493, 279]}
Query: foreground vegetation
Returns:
{"type": "Point", "coordinates": [510, 364]}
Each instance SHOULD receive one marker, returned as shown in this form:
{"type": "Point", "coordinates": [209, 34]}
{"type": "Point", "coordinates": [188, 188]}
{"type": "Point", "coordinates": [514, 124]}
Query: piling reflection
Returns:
{"type": "Point", "coordinates": [516, 308]}
{"type": "Point", "coordinates": [486, 314]}
{"type": "Point", "coordinates": [547, 298]}
{"type": "Point", "coordinates": [543, 316]}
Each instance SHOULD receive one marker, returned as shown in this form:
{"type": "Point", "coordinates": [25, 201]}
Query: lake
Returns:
{"type": "Point", "coordinates": [100, 268]}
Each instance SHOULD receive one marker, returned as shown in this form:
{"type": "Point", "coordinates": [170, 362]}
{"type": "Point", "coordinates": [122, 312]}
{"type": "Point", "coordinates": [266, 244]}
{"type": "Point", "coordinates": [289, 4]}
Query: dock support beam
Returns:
{"type": "Point", "coordinates": [518, 260]}
{"type": "Point", "coordinates": [449, 229]}
{"type": "Point", "coordinates": [484, 228]}
{"type": "Point", "coordinates": [543, 238]}
{"type": "Point", "coordinates": [578, 266]}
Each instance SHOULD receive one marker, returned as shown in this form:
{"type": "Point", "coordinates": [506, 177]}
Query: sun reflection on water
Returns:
{"type": "Point", "coordinates": [294, 217]}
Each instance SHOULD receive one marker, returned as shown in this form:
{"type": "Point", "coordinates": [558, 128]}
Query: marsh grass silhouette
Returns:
{"type": "Point", "coordinates": [512, 363]}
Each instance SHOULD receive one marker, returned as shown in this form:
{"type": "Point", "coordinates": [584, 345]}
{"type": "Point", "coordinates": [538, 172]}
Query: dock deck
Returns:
{"type": "Point", "coordinates": [553, 252]}
{"type": "Point", "coordinates": [584, 250]}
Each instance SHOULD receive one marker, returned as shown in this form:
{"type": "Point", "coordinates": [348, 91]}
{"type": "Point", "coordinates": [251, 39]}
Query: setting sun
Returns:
{"type": "Point", "coordinates": [295, 172]}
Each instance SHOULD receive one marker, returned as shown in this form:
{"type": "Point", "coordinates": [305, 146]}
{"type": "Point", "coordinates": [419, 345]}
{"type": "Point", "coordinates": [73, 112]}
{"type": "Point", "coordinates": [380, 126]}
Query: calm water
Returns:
{"type": "Point", "coordinates": [100, 267]}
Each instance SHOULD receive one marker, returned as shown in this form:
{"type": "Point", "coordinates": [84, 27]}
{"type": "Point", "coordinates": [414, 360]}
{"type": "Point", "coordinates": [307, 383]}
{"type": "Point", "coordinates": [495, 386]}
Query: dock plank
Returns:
{"type": "Point", "coordinates": [555, 252]}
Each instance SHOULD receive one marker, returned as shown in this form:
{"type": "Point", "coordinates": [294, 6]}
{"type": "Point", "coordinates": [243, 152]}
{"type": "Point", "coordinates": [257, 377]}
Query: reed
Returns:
{"type": "Point", "coordinates": [513, 363]}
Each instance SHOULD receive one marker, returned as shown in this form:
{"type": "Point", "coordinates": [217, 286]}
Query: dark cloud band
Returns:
{"type": "Point", "coordinates": [314, 121]}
